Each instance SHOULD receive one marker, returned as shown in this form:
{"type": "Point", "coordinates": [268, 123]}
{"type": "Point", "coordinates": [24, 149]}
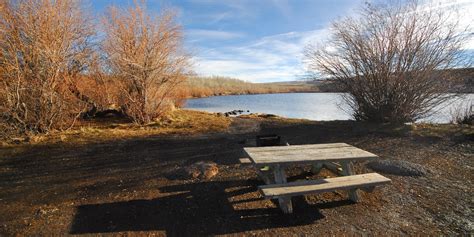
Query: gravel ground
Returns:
{"type": "Point", "coordinates": [132, 187]}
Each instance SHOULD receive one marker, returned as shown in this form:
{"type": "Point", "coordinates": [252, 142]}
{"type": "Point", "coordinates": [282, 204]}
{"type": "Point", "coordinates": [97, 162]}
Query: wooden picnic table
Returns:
{"type": "Point", "coordinates": [274, 159]}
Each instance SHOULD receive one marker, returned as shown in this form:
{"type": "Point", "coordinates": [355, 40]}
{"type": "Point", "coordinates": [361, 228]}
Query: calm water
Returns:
{"type": "Point", "coordinates": [313, 106]}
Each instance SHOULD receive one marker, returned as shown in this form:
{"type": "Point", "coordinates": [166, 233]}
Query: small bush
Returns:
{"type": "Point", "coordinates": [463, 114]}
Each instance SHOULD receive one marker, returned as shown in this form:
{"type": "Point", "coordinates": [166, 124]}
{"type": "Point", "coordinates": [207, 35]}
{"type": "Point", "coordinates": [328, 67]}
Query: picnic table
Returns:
{"type": "Point", "coordinates": [271, 162]}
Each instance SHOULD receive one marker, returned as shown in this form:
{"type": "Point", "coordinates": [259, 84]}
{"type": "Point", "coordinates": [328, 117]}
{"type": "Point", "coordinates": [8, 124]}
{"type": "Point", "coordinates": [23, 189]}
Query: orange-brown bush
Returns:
{"type": "Point", "coordinates": [44, 46]}
{"type": "Point", "coordinates": [102, 90]}
{"type": "Point", "coordinates": [144, 52]}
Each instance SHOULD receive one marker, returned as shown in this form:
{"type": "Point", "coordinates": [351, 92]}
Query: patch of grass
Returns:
{"type": "Point", "coordinates": [443, 130]}
{"type": "Point", "coordinates": [180, 122]}
{"type": "Point", "coordinates": [276, 118]}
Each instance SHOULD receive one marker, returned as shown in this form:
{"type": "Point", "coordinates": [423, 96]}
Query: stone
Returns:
{"type": "Point", "coordinates": [19, 140]}
{"type": "Point", "coordinates": [397, 167]}
{"type": "Point", "coordinates": [202, 170]}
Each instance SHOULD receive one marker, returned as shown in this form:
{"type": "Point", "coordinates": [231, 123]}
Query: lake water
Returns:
{"type": "Point", "coordinates": [313, 106]}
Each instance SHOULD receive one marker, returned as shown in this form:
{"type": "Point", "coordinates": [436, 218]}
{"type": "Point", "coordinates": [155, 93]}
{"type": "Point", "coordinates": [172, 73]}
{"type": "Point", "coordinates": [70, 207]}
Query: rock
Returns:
{"type": "Point", "coordinates": [19, 140]}
{"type": "Point", "coordinates": [202, 170]}
{"type": "Point", "coordinates": [41, 212]}
{"type": "Point", "coordinates": [193, 172]}
{"type": "Point", "coordinates": [397, 167]}
{"type": "Point", "coordinates": [267, 115]}
{"type": "Point", "coordinates": [45, 211]}
{"type": "Point", "coordinates": [210, 172]}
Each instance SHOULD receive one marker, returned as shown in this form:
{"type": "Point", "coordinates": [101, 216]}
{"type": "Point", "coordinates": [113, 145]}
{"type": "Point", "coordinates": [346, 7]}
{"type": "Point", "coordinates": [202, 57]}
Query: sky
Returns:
{"type": "Point", "coordinates": [260, 40]}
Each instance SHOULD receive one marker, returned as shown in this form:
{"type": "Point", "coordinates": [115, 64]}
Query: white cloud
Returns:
{"type": "Point", "coordinates": [270, 58]}
{"type": "Point", "coordinates": [279, 57]}
{"type": "Point", "coordinates": [218, 17]}
{"type": "Point", "coordinates": [283, 6]}
{"type": "Point", "coordinates": [232, 10]}
{"type": "Point", "coordinates": [200, 34]}
{"type": "Point", "coordinates": [460, 11]}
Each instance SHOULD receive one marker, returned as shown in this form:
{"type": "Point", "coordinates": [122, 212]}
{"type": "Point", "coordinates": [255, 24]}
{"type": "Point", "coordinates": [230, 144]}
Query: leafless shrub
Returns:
{"type": "Point", "coordinates": [101, 88]}
{"type": "Point", "coordinates": [463, 114]}
{"type": "Point", "coordinates": [145, 53]}
{"type": "Point", "coordinates": [44, 45]}
{"type": "Point", "coordinates": [392, 60]}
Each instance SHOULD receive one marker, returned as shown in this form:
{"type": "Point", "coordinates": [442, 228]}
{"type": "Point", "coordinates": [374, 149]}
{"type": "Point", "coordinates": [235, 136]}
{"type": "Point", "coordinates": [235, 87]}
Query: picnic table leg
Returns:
{"type": "Point", "coordinates": [347, 169]}
{"type": "Point", "coordinates": [316, 168]}
{"type": "Point", "coordinates": [280, 178]}
{"type": "Point", "coordinates": [265, 174]}
{"type": "Point", "coordinates": [331, 166]}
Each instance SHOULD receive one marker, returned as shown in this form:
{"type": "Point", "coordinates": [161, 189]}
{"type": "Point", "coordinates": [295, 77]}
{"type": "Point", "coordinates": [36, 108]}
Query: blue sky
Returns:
{"type": "Point", "coordinates": [256, 40]}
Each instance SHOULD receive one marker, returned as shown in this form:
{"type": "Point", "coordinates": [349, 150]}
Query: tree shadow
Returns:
{"type": "Point", "coordinates": [194, 209]}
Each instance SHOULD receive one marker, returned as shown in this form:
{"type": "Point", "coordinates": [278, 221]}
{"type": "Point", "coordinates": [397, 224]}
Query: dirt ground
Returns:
{"type": "Point", "coordinates": [134, 186]}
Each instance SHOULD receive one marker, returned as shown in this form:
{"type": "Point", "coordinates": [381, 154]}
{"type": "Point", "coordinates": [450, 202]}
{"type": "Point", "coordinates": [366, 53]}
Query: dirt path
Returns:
{"type": "Point", "coordinates": [135, 186]}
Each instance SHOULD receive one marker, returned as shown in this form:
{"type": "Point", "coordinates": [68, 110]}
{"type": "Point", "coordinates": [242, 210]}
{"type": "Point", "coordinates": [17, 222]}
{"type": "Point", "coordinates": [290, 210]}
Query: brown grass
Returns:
{"type": "Point", "coordinates": [179, 122]}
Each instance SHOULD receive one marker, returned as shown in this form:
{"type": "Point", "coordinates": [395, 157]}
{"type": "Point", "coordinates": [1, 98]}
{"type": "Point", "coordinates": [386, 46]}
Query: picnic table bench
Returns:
{"type": "Point", "coordinates": [332, 155]}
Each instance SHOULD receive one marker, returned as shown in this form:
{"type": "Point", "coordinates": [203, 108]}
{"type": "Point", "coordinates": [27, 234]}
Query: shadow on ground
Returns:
{"type": "Point", "coordinates": [94, 178]}
{"type": "Point", "coordinates": [193, 209]}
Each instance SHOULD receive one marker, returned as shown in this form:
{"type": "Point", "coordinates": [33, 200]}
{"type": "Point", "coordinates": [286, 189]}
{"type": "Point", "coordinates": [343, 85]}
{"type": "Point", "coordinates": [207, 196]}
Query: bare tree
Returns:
{"type": "Point", "coordinates": [44, 46]}
{"type": "Point", "coordinates": [392, 60]}
{"type": "Point", "coordinates": [145, 52]}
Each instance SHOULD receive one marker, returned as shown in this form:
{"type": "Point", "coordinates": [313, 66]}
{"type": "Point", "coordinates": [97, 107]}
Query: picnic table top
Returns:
{"type": "Point", "coordinates": [272, 155]}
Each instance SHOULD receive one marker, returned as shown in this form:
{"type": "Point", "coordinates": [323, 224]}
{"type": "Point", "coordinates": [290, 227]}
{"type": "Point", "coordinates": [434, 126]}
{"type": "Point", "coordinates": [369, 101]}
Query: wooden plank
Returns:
{"type": "Point", "coordinates": [245, 161]}
{"type": "Point", "coordinates": [307, 153]}
{"type": "Point", "coordinates": [280, 178]}
{"type": "Point", "coordinates": [298, 147]}
{"type": "Point", "coordinates": [348, 170]}
{"type": "Point", "coordinates": [295, 157]}
{"type": "Point", "coordinates": [323, 185]}
{"type": "Point", "coordinates": [333, 167]}
{"type": "Point", "coordinates": [316, 168]}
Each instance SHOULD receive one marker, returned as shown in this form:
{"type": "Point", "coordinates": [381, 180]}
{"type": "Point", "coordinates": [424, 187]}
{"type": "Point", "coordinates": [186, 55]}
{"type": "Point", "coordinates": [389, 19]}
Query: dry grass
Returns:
{"type": "Point", "coordinates": [188, 122]}
{"type": "Point", "coordinates": [443, 130]}
{"type": "Point", "coordinates": [179, 122]}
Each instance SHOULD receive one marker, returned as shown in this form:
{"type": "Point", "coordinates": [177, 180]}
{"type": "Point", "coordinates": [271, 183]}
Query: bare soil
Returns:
{"type": "Point", "coordinates": [134, 186]}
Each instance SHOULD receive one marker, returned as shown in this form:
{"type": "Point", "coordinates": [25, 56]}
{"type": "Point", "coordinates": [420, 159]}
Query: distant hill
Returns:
{"type": "Point", "coordinates": [217, 85]}
{"type": "Point", "coordinates": [324, 85]}
{"type": "Point", "coordinates": [464, 82]}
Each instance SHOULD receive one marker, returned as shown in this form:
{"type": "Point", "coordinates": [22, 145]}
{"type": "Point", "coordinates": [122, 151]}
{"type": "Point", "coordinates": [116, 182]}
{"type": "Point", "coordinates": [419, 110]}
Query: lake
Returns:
{"type": "Point", "coordinates": [313, 106]}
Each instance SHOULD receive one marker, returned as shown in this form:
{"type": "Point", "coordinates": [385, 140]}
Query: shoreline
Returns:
{"type": "Point", "coordinates": [260, 94]}
{"type": "Point", "coordinates": [297, 92]}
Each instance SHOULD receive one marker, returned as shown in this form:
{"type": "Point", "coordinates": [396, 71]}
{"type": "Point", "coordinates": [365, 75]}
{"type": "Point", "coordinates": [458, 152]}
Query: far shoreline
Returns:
{"type": "Point", "coordinates": [291, 92]}
{"type": "Point", "coordinates": [295, 92]}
